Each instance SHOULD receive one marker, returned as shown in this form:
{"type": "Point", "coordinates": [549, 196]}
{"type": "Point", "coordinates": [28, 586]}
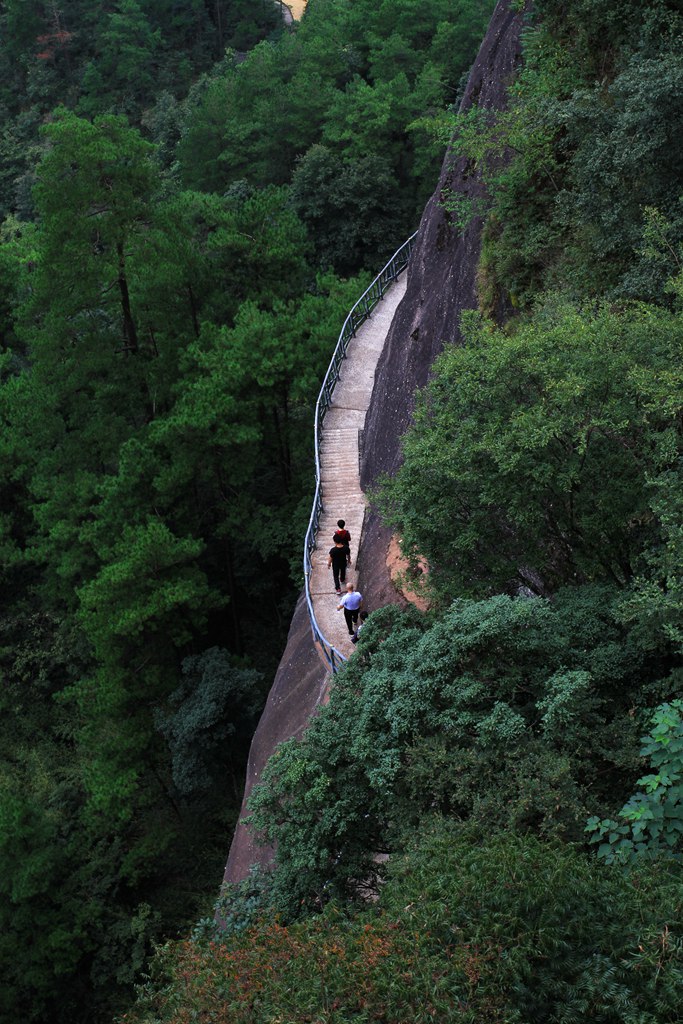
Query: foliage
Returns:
{"type": "Point", "coordinates": [239, 906]}
{"type": "Point", "coordinates": [514, 713]}
{"type": "Point", "coordinates": [585, 148]}
{"type": "Point", "coordinates": [329, 109]}
{"type": "Point", "coordinates": [654, 598]}
{"type": "Point", "coordinates": [340, 971]}
{"type": "Point", "coordinates": [105, 58]}
{"type": "Point", "coordinates": [164, 326]}
{"type": "Point", "coordinates": [161, 354]}
{"type": "Point", "coordinates": [151, 497]}
{"type": "Point", "coordinates": [62, 882]}
{"type": "Point", "coordinates": [599, 33]}
{"type": "Point", "coordinates": [464, 931]}
{"type": "Point", "coordinates": [215, 705]}
{"type": "Point", "coordinates": [651, 822]}
{"type": "Point", "coordinates": [348, 206]}
{"type": "Point", "coordinates": [91, 894]}
{"type": "Point", "coordinates": [602, 946]}
{"type": "Point", "coordinates": [127, 63]}
{"type": "Point", "coordinates": [545, 459]}
{"type": "Point", "coordinates": [163, 333]}
{"type": "Point", "coordinates": [606, 207]}
{"type": "Point", "coordinates": [567, 429]}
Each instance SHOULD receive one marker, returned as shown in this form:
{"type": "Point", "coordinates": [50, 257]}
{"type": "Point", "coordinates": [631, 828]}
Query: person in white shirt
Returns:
{"type": "Point", "coordinates": [351, 603]}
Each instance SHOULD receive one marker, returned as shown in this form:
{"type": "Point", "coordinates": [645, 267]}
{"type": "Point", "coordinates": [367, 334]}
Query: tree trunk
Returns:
{"type": "Point", "coordinates": [238, 646]}
{"type": "Point", "coordinates": [219, 26]}
{"type": "Point", "coordinates": [130, 333]}
{"type": "Point", "coordinates": [285, 432]}
{"type": "Point", "coordinates": [193, 310]}
{"type": "Point", "coordinates": [281, 450]}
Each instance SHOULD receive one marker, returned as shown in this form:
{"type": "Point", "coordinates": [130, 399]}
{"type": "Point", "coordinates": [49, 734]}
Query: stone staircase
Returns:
{"type": "Point", "coordinates": [339, 463]}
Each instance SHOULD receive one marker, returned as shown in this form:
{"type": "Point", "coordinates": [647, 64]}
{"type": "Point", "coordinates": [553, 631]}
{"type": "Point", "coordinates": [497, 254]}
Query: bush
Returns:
{"type": "Point", "coordinates": [472, 927]}
{"type": "Point", "coordinates": [538, 453]}
{"type": "Point", "coordinates": [516, 713]}
{"type": "Point", "coordinates": [557, 937]}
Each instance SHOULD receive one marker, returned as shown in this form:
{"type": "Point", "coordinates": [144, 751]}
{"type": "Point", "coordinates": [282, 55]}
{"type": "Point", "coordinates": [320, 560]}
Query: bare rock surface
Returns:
{"type": "Point", "coordinates": [441, 285]}
{"type": "Point", "coordinates": [299, 686]}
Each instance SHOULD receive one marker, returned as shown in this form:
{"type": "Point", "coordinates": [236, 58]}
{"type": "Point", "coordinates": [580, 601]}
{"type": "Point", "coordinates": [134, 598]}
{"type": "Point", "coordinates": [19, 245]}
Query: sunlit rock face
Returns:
{"type": "Point", "coordinates": [441, 284]}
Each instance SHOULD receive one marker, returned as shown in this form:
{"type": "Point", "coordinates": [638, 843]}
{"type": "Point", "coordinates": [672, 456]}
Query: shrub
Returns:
{"type": "Point", "coordinates": [473, 927]}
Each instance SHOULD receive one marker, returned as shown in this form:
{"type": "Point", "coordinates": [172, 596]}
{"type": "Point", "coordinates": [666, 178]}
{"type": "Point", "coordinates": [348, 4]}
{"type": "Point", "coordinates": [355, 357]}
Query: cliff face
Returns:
{"type": "Point", "coordinates": [298, 688]}
{"type": "Point", "coordinates": [441, 284]}
{"type": "Point", "coordinates": [443, 267]}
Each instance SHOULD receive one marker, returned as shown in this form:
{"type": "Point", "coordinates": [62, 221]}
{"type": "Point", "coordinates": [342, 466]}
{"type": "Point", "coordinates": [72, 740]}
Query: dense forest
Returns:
{"type": "Point", "coordinates": [485, 823]}
{"type": "Point", "coordinates": [192, 196]}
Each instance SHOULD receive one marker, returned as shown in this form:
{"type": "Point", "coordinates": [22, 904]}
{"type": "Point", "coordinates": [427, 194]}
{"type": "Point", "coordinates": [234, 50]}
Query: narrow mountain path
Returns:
{"type": "Point", "coordinates": [340, 463]}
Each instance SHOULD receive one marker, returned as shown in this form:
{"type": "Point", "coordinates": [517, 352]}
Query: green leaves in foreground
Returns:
{"type": "Point", "coordinates": [650, 824]}
{"type": "Point", "coordinates": [511, 713]}
{"type": "Point", "coordinates": [471, 927]}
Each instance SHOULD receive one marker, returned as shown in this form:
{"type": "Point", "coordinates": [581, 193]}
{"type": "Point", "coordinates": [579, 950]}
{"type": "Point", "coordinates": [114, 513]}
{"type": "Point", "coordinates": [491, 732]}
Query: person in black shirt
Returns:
{"type": "Point", "coordinates": [337, 561]}
{"type": "Point", "coordinates": [345, 537]}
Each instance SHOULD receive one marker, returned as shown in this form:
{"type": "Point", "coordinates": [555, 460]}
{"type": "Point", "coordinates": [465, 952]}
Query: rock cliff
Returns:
{"type": "Point", "coordinates": [441, 284]}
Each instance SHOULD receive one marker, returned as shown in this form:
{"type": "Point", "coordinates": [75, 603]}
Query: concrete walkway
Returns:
{"type": "Point", "coordinates": [340, 464]}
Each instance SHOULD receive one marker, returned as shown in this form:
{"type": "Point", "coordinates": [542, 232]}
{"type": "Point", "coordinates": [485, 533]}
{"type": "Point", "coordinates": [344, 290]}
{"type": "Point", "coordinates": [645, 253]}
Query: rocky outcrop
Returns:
{"type": "Point", "coordinates": [441, 284]}
{"type": "Point", "coordinates": [299, 686]}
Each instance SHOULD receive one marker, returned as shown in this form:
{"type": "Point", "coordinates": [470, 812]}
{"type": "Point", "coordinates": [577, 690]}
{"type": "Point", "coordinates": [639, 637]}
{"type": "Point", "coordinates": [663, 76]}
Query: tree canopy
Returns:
{"type": "Point", "coordinates": [193, 196]}
{"type": "Point", "coordinates": [566, 430]}
{"type": "Point", "coordinates": [167, 312]}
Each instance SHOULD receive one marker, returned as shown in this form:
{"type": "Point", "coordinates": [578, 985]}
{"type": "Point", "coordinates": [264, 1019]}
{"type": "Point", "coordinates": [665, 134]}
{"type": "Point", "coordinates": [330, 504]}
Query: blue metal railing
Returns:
{"type": "Point", "coordinates": [359, 313]}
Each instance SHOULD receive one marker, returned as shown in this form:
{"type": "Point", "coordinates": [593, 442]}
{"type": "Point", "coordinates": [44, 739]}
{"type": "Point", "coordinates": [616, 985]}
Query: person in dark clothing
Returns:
{"type": "Point", "coordinates": [344, 536]}
{"type": "Point", "coordinates": [337, 561]}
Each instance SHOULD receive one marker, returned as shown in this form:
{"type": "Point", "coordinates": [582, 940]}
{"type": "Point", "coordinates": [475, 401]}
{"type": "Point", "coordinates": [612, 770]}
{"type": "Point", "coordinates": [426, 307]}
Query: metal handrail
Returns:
{"type": "Point", "coordinates": [358, 315]}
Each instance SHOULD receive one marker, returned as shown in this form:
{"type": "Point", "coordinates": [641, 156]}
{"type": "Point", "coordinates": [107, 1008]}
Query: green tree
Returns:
{"type": "Point", "coordinates": [123, 74]}
{"type": "Point", "coordinates": [211, 712]}
{"type": "Point", "coordinates": [513, 713]}
{"type": "Point", "coordinates": [81, 325]}
{"type": "Point", "coordinates": [598, 33]}
{"type": "Point", "coordinates": [533, 450]}
{"type": "Point", "coordinates": [112, 489]}
{"type": "Point", "coordinates": [248, 121]}
{"type": "Point", "coordinates": [472, 925]}
{"type": "Point", "coordinates": [94, 186]}
{"type": "Point", "coordinates": [348, 206]}
{"type": "Point", "coordinates": [626, 160]}
{"type": "Point", "coordinates": [655, 599]}
{"type": "Point", "coordinates": [551, 935]}
{"type": "Point", "coordinates": [63, 895]}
